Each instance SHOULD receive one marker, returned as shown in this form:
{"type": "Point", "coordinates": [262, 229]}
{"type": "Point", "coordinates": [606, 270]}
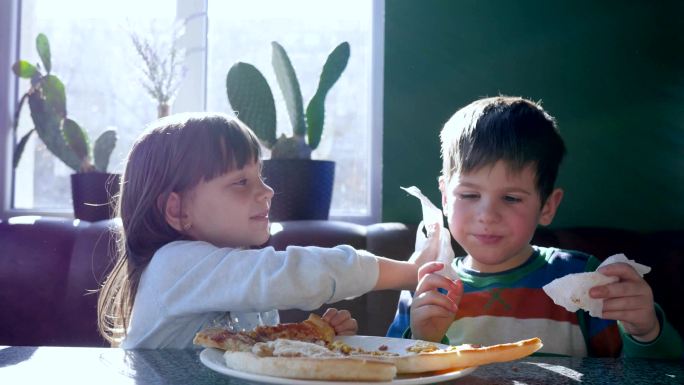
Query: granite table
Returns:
{"type": "Point", "coordinates": [78, 365]}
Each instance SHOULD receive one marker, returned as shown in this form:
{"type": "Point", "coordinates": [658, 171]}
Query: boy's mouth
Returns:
{"type": "Point", "coordinates": [488, 239]}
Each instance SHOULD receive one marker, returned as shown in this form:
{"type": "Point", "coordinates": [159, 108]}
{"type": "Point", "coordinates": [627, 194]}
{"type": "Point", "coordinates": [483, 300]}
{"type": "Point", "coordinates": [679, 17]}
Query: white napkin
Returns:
{"type": "Point", "coordinates": [433, 215]}
{"type": "Point", "coordinates": [572, 291]}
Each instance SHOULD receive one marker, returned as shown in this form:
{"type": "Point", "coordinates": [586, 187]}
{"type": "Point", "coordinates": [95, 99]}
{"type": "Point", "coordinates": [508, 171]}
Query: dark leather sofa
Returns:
{"type": "Point", "coordinates": [50, 267]}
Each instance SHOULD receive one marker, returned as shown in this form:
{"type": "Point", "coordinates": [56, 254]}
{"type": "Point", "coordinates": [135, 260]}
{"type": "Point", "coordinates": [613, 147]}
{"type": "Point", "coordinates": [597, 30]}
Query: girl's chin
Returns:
{"type": "Point", "coordinates": [262, 239]}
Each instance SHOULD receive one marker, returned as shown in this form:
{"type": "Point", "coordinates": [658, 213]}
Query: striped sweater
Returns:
{"type": "Point", "coordinates": [511, 305]}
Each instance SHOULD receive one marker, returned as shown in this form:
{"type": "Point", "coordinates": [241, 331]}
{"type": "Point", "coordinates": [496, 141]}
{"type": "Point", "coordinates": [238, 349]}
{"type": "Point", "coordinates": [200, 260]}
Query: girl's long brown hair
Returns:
{"type": "Point", "coordinates": [173, 155]}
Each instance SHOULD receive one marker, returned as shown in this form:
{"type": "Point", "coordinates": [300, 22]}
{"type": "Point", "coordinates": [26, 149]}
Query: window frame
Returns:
{"type": "Point", "coordinates": [192, 96]}
{"type": "Point", "coordinates": [9, 27]}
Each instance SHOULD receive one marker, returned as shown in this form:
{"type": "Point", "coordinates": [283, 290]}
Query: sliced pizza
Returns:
{"type": "Point", "coordinates": [308, 350]}
{"type": "Point", "coordinates": [314, 329]}
{"type": "Point", "coordinates": [428, 357]}
{"type": "Point", "coordinates": [306, 360]}
{"type": "Point", "coordinates": [307, 368]}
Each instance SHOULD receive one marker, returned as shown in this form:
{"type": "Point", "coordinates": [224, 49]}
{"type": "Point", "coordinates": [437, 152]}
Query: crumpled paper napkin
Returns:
{"type": "Point", "coordinates": [572, 290]}
{"type": "Point", "coordinates": [433, 215]}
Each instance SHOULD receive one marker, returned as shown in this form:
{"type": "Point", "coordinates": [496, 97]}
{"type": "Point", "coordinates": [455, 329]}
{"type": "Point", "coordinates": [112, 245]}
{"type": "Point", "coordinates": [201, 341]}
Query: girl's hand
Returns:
{"type": "Point", "coordinates": [341, 321]}
{"type": "Point", "coordinates": [430, 251]}
{"type": "Point", "coordinates": [629, 300]}
{"type": "Point", "coordinates": [431, 311]}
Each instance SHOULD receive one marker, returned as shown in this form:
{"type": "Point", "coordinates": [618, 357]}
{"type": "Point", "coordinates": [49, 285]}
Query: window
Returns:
{"type": "Point", "coordinates": [93, 54]}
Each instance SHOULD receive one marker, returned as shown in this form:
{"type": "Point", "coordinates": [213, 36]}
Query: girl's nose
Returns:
{"type": "Point", "coordinates": [267, 190]}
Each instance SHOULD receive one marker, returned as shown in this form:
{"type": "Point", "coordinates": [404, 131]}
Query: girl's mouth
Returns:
{"type": "Point", "coordinates": [262, 216]}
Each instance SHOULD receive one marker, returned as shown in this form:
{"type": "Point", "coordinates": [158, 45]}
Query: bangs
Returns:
{"type": "Point", "coordinates": [508, 129]}
{"type": "Point", "coordinates": [486, 147]}
{"type": "Point", "coordinates": [225, 147]}
{"type": "Point", "coordinates": [210, 146]}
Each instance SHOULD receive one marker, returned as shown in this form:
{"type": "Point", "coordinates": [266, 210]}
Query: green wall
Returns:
{"type": "Point", "coordinates": [611, 72]}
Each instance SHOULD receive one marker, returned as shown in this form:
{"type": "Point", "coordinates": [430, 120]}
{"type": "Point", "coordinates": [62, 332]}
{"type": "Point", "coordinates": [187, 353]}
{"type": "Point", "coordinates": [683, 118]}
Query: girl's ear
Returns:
{"type": "Point", "coordinates": [550, 206]}
{"type": "Point", "coordinates": [173, 212]}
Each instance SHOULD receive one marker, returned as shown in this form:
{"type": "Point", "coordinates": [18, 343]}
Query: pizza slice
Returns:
{"type": "Point", "coordinates": [314, 329]}
{"type": "Point", "coordinates": [428, 357]}
{"type": "Point", "coordinates": [341, 362]}
{"type": "Point", "coordinates": [224, 339]}
{"type": "Point", "coordinates": [316, 367]}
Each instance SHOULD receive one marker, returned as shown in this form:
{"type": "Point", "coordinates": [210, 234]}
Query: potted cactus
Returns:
{"type": "Point", "coordinates": [303, 186]}
{"type": "Point", "coordinates": [91, 185]}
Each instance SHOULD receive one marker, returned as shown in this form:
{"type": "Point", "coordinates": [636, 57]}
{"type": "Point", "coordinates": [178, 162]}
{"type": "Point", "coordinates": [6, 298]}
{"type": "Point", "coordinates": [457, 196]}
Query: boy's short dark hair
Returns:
{"type": "Point", "coordinates": [511, 129]}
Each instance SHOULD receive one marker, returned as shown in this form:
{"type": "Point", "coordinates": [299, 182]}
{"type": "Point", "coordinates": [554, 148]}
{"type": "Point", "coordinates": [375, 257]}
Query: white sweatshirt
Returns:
{"type": "Point", "coordinates": [188, 284]}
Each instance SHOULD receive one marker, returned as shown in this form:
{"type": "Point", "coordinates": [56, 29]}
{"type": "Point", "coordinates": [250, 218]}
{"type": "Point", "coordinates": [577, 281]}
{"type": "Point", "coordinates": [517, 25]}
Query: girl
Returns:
{"type": "Point", "coordinates": [192, 202]}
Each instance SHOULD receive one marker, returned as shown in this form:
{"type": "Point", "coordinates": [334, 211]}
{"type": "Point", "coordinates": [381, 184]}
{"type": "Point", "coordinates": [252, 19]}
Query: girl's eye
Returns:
{"type": "Point", "coordinates": [241, 182]}
{"type": "Point", "coordinates": [511, 199]}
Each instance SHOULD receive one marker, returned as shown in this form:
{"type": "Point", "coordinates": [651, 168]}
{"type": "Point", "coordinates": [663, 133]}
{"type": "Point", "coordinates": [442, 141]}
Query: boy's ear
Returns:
{"type": "Point", "coordinates": [442, 189]}
{"type": "Point", "coordinates": [173, 213]}
{"type": "Point", "coordinates": [550, 206]}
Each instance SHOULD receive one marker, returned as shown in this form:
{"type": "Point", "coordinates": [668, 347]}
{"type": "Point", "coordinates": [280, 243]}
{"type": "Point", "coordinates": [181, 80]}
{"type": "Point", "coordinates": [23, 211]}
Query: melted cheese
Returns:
{"type": "Point", "coordinates": [291, 348]}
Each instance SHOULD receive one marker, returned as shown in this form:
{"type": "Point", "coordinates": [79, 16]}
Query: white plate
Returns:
{"type": "Point", "coordinates": [213, 359]}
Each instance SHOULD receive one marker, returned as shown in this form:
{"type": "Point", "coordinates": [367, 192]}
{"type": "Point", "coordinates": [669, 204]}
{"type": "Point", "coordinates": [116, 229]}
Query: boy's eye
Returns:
{"type": "Point", "coordinates": [511, 199]}
{"type": "Point", "coordinates": [467, 196]}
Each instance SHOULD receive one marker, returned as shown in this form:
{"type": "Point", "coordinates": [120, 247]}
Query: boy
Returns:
{"type": "Point", "coordinates": [500, 162]}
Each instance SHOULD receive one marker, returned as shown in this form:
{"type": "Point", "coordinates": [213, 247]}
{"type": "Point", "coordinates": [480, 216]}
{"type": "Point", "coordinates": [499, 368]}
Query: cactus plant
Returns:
{"type": "Point", "coordinates": [251, 98]}
{"type": "Point", "coordinates": [47, 102]}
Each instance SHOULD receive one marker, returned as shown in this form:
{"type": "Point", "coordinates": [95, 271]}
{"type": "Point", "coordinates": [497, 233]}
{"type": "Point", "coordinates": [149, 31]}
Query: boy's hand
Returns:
{"type": "Point", "coordinates": [629, 300]}
{"type": "Point", "coordinates": [341, 321]}
{"type": "Point", "coordinates": [430, 251]}
{"type": "Point", "coordinates": [431, 311]}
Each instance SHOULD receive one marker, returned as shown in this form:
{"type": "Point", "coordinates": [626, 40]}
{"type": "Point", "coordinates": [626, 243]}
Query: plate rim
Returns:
{"type": "Point", "coordinates": [210, 356]}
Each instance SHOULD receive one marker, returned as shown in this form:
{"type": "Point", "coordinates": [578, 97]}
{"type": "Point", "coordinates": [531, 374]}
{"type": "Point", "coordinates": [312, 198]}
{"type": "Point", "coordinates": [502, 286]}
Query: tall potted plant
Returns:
{"type": "Point", "coordinates": [91, 185]}
{"type": "Point", "coordinates": [303, 187]}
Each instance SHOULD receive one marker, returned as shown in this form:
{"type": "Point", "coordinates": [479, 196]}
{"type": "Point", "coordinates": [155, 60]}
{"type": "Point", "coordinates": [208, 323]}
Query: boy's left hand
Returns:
{"type": "Point", "coordinates": [341, 321]}
{"type": "Point", "coordinates": [629, 300]}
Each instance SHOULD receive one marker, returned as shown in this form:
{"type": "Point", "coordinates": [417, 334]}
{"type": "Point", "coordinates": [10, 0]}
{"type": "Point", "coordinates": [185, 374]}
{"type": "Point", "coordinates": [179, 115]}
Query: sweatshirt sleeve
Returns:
{"type": "Point", "coordinates": [197, 277]}
{"type": "Point", "coordinates": [668, 344]}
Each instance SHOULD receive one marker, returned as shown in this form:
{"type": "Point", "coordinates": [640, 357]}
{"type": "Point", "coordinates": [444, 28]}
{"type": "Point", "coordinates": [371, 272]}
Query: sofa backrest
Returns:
{"type": "Point", "coordinates": [50, 268]}
{"type": "Point", "coordinates": [35, 258]}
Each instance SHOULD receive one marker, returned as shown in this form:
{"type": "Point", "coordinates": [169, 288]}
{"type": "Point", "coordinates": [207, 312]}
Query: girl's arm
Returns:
{"type": "Point", "coordinates": [404, 275]}
{"type": "Point", "coordinates": [396, 275]}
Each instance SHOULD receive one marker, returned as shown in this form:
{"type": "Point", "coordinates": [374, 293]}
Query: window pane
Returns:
{"type": "Point", "coordinates": [308, 30]}
{"type": "Point", "coordinates": [93, 55]}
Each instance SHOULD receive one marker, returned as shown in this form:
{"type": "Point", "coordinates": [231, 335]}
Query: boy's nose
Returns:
{"type": "Point", "coordinates": [487, 212]}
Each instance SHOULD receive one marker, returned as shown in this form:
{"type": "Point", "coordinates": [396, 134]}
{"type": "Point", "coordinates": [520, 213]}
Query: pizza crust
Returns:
{"type": "Point", "coordinates": [464, 356]}
{"type": "Point", "coordinates": [306, 368]}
